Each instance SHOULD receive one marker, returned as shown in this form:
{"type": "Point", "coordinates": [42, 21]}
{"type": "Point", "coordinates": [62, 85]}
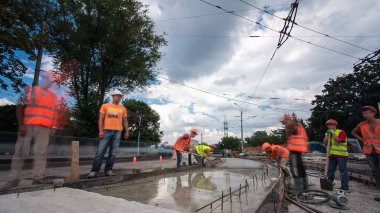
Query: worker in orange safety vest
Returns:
{"type": "Point", "coordinates": [370, 136]}
{"type": "Point", "coordinates": [297, 144]}
{"type": "Point", "coordinates": [183, 144]}
{"type": "Point", "coordinates": [278, 153]}
{"type": "Point", "coordinates": [38, 116]}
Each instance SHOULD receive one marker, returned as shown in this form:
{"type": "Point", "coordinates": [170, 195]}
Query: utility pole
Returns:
{"type": "Point", "coordinates": [201, 137]}
{"type": "Point", "coordinates": [138, 136]}
{"type": "Point", "coordinates": [241, 126]}
{"type": "Point", "coordinates": [39, 57]}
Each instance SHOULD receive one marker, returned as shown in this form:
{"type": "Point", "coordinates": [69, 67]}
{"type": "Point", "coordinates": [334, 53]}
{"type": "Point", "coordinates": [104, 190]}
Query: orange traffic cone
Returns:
{"type": "Point", "coordinates": [134, 160]}
{"type": "Point", "coordinates": [161, 160]}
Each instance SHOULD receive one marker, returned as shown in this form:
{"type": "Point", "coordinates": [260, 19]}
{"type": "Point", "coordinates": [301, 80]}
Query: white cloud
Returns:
{"type": "Point", "coordinates": [4, 101]}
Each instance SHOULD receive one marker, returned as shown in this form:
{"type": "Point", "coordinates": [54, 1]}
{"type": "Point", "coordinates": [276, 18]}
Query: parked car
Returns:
{"type": "Point", "coordinates": [353, 146]}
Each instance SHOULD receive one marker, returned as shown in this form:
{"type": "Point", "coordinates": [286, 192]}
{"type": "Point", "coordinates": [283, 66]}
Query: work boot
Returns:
{"type": "Point", "coordinates": [37, 182]}
{"type": "Point", "coordinates": [298, 184]}
{"type": "Point", "coordinates": [110, 173]}
{"type": "Point", "coordinates": [10, 184]}
{"type": "Point", "coordinates": [92, 175]}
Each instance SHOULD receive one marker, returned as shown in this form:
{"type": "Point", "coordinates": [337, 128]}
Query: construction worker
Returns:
{"type": "Point", "coordinates": [37, 114]}
{"type": "Point", "coordinates": [183, 144]}
{"type": "Point", "coordinates": [338, 153]}
{"type": "Point", "coordinates": [112, 116]}
{"type": "Point", "coordinates": [278, 153]}
{"type": "Point", "coordinates": [297, 144]}
{"type": "Point", "coordinates": [203, 152]}
{"type": "Point", "coordinates": [369, 131]}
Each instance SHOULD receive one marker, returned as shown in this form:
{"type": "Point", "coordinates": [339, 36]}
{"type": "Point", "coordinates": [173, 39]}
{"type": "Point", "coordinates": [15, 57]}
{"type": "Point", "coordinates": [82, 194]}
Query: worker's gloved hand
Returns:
{"type": "Point", "coordinates": [330, 131]}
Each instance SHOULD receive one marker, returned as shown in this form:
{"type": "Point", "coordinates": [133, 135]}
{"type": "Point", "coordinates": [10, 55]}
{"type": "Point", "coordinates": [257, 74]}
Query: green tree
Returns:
{"type": "Point", "coordinates": [232, 143]}
{"type": "Point", "coordinates": [103, 44]}
{"type": "Point", "coordinates": [277, 136]}
{"type": "Point", "coordinates": [150, 121]}
{"type": "Point", "coordinates": [20, 29]}
{"type": "Point", "coordinates": [257, 138]}
{"type": "Point", "coordinates": [342, 98]}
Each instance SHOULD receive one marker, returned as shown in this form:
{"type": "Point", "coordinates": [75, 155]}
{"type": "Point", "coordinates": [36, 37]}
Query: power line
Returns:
{"type": "Point", "coordinates": [269, 28]}
{"type": "Point", "coordinates": [306, 28]}
{"type": "Point", "coordinates": [265, 36]}
{"type": "Point", "coordinates": [228, 98]}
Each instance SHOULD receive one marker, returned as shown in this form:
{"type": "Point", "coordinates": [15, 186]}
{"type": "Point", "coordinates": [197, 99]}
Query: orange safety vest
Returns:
{"type": "Point", "coordinates": [371, 139]}
{"type": "Point", "coordinates": [182, 144]}
{"type": "Point", "coordinates": [279, 152]}
{"type": "Point", "coordinates": [298, 142]}
{"type": "Point", "coordinates": [41, 106]}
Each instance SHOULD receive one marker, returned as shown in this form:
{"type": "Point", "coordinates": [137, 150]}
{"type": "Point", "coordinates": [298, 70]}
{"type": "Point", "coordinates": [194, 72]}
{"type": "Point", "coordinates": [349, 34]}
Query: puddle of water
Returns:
{"type": "Point", "coordinates": [189, 191]}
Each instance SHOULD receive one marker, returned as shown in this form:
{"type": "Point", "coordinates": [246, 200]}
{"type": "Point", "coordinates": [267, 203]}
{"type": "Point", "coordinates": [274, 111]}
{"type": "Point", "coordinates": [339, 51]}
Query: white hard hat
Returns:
{"type": "Point", "coordinates": [116, 92]}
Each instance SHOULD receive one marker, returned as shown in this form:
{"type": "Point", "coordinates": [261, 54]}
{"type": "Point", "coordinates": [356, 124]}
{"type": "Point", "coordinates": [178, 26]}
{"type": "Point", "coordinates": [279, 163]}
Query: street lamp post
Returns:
{"type": "Point", "coordinates": [241, 126]}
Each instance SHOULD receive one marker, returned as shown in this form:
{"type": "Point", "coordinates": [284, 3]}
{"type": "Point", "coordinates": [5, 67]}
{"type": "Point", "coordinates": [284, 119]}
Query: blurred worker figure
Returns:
{"type": "Point", "coordinates": [297, 144]}
{"type": "Point", "coordinates": [369, 131]}
{"type": "Point", "coordinates": [278, 153]}
{"type": "Point", "coordinates": [112, 116]}
{"type": "Point", "coordinates": [203, 152]}
{"type": "Point", "coordinates": [37, 115]}
{"type": "Point", "coordinates": [183, 144]}
{"type": "Point", "coordinates": [338, 153]}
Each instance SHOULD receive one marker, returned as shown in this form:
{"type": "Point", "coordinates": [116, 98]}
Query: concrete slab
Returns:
{"type": "Point", "coordinates": [65, 200]}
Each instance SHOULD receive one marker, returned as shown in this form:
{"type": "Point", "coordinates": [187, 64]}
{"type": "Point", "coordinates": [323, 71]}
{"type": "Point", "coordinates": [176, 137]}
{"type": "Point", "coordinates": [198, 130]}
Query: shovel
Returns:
{"type": "Point", "coordinates": [325, 183]}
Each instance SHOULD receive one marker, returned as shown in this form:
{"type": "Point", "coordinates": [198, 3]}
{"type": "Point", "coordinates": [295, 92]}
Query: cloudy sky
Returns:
{"type": "Point", "coordinates": [211, 51]}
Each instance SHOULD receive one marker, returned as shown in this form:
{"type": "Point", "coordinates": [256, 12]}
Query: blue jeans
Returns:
{"type": "Point", "coordinates": [179, 158]}
{"type": "Point", "coordinates": [112, 140]}
{"type": "Point", "coordinates": [374, 163]}
{"type": "Point", "coordinates": [333, 163]}
{"type": "Point", "coordinates": [189, 156]}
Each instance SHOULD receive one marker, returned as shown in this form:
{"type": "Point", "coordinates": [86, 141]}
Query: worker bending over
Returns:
{"type": "Point", "coordinates": [203, 152]}
{"type": "Point", "coordinates": [370, 136]}
{"type": "Point", "coordinates": [278, 153]}
{"type": "Point", "coordinates": [338, 153]}
{"type": "Point", "coordinates": [183, 144]}
{"type": "Point", "coordinates": [297, 144]}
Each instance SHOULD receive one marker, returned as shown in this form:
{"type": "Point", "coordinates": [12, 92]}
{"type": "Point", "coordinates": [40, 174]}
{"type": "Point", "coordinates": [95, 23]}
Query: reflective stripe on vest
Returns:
{"type": "Point", "coordinates": [339, 149]}
{"type": "Point", "coordinates": [298, 143]}
{"type": "Point", "coordinates": [201, 150]}
{"type": "Point", "coordinates": [40, 108]}
{"type": "Point", "coordinates": [371, 138]}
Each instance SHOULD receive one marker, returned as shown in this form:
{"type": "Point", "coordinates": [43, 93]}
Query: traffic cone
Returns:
{"type": "Point", "coordinates": [161, 160]}
{"type": "Point", "coordinates": [134, 160]}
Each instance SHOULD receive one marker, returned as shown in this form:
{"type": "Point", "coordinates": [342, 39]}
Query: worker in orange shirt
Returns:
{"type": "Point", "coordinates": [112, 116]}
{"type": "Point", "coordinates": [183, 144]}
{"type": "Point", "coordinates": [278, 153]}
{"type": "Point", "coordinates": [370, 136]}
{"type": "Point", "coordinates": [297, 144]}
{"type": "Point", "coordinates": [37, 114]}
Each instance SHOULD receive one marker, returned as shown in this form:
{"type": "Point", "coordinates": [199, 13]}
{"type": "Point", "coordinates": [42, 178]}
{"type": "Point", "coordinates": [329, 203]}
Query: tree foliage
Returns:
{"type": "Point", "coordinates": [232, 143]}
{"type": "Point", "coordinates": [259, 137]}
{"type": "Point", "coordinates": [20, 29]}
{"type": "Point", "coordinates": [343, 97]}
{"type": "Point", "coordinates": [150, 121]}
{"type": "Point", "coordinates": [8, 120]}
{"type": "Point", "coordinates": [98, 45]}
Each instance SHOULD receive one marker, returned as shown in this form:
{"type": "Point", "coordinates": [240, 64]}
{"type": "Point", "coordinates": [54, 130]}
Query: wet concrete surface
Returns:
{"type": "Point", "coordinates": [192, 190]}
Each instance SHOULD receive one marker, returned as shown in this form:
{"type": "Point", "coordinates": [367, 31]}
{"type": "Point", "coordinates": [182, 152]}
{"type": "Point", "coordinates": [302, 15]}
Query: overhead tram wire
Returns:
{"type": "Point", "coordinates": [269, 28]}
{"type": "Point", "coordinates": [306, 28]}
{"type": "Point", "coordinates": [228, 98]}
{"type": "Point", "coordinates": [263, 36]}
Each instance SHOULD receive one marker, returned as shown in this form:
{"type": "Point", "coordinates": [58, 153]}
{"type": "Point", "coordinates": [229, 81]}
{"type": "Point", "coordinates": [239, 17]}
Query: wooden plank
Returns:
{"type": "Point", "coordinates": [74, 176]}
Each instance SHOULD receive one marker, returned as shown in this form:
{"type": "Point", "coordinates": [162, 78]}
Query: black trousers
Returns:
{"type": "Point", "coordinates": [296, 165]}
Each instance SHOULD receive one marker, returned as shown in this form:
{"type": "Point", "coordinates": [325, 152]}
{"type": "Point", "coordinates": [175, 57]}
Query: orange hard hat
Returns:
{"type": "Point", "coordinates": [195, 131]}
{"type": "Point", "coordinates": [213, 146]}
{"type": "Point", "coordinates": [265, 146]}
{"type": "Point", "coordinates": [332, 122]}
{"type": "Point", "coordinates": [369, 108]}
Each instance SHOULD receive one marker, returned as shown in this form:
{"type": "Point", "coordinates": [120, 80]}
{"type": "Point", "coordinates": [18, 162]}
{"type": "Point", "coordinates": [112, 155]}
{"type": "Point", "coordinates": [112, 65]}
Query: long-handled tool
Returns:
{"type": "Point", "coordinates": [325, 183]}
